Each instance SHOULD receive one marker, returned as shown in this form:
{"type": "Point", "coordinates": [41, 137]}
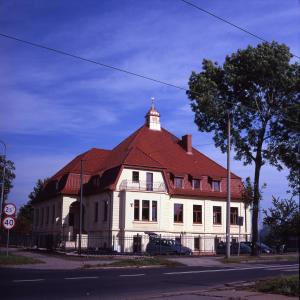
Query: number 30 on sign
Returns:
{"type": "Point", "coordinates": [8, 222]}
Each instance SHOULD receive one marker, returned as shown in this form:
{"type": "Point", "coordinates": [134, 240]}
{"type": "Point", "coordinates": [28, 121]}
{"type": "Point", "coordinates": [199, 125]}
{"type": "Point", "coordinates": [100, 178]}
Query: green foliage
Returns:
{"type": "Point", "coordinates": [256, 87]}
{"type": "Point", "coordinates": [283, 221]}
{"type": "Point", "coordinates": [25, 214]}
{"type": "Point", "coordinates": [15, 259]}
{"type": "Point", "coordinates": [288, 285]}
{"type": "Point", "coordinates": [9, 175]}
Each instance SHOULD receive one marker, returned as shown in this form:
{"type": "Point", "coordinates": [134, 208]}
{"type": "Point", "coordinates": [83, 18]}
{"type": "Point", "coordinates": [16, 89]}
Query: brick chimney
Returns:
{"type": "Point", "coordinates": [187, 143]}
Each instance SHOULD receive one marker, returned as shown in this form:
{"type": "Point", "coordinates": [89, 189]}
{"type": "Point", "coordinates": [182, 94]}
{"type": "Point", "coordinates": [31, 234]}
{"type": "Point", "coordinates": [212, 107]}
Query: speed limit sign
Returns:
{"type": "Point", "coordinates": [9, 209]}
{"type": "Point", "coordinates": [9, 222]}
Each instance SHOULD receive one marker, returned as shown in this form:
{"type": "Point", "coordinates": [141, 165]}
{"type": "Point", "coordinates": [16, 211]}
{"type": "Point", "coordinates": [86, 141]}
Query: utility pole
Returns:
{"type": "Point", "coordinates": [228, 187]}
{"type": "Point", "coordinates": [3, 181]}
{"type": "Point", "coordinates": [80, 208]}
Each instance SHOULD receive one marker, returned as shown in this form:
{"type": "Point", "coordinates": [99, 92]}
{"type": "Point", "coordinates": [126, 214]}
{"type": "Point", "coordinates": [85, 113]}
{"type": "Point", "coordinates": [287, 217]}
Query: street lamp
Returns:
{"type": "Point", "coordinates": [3, 179]}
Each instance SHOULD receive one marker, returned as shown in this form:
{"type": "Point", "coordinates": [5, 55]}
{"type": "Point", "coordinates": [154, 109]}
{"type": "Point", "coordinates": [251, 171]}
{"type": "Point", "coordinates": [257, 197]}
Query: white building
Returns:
{"type": "Point", "coordinates": [150, 182]}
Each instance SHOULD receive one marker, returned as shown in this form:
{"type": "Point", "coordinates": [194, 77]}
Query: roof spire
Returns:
{"type": "Point", "coordinates": [153, 117]}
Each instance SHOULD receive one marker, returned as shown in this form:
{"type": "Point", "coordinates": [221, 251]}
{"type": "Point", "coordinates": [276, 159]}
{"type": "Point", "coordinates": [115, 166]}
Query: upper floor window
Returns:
{"type": "Point", "coordinates": [196, 183]}
{"type": "Point", "coordinates": [178, 182]}
{"type": "Point", "coordinates": [178, 213]}
{"type": "Point", "coordinates": [197, 214]}
{"type": "Point", "coordinates": [234, 215]}
{"type": "Point", "coordinates": [145, 210]}
{"type": "Point", "coordinates": [217, 215]}
{"type": "Point", "coordinates": [135, 176]}
{"type": "Point", "coordinates": [216, 187]}
{"type": "Point", "coordinates": [136, 210]}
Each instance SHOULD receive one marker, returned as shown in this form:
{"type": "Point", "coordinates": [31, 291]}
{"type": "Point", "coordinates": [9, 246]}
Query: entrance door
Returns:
{"type": "Point", "coordinates": [137, 243]}
{"type": "Point", "coordinates": [149, 181]}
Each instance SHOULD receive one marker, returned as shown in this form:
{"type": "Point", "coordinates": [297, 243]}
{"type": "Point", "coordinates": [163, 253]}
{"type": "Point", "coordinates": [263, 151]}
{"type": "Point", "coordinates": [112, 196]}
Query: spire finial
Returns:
{"type": "Point", "coordinates": [152, 102]}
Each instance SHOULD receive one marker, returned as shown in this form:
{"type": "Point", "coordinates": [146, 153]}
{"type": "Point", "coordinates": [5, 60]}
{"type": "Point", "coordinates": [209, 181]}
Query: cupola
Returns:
{"type": "Point", "coordinates": [153, 118]}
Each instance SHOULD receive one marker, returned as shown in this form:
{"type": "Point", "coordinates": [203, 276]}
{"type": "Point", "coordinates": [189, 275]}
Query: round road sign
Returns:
{"type": "Point", "coordinates": [9, 209]}
{"type": "Point", "coordinates": [9, 222]}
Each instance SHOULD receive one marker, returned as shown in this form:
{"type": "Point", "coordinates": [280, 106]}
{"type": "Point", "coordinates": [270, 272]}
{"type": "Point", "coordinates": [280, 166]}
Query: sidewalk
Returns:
{"type": "Point", "coordinates": [216, 293]}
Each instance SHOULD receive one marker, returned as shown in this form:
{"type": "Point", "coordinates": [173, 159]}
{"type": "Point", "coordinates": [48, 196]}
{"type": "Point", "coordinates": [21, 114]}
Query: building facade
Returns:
{"type": "Point", "coordinates": [151, 183]}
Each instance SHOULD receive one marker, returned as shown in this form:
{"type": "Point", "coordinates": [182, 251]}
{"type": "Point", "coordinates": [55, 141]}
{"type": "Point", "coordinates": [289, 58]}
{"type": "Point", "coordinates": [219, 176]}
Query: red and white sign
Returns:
{"type": "Point", "coordinates": [9, 209]}
{"type": "Point", "coordinates": [9, 222]}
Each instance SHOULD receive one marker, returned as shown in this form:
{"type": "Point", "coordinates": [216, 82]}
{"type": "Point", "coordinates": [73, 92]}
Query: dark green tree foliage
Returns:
{"type": "Point", "coordinates": [257, 86]}
{"type": "Point", "coordinates": [282, 220]}
{"type": "Point", "coordinates": [25, 214]}
{"type": "Point", "coordinates": [9, 175]}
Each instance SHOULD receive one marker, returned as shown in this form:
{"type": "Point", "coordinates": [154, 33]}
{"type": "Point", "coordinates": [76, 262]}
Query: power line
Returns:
{"type": "Point", "coordinates": [230, 23]}
{"type": "Point", "coordinates": [116, 68]}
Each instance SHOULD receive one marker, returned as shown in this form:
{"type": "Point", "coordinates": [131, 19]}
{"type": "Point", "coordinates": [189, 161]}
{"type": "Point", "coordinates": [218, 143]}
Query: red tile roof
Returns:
{"type": "Point", "coordinates": [150, 149]}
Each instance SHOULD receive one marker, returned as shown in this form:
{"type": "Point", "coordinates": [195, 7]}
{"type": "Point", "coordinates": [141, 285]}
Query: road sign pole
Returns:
{"type": "Point", "coordinates": [7, 242]}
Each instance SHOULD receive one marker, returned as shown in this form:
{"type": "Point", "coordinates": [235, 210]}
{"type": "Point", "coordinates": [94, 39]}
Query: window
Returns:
{"type": "Point", "coordinates": [217, 215]}
{"type": "Point", "coordinates": [145, 210]}
{"type": "Point", "coordinates": [234, 215]}
{"type": "Point", "coordinates": [136, 210]}
{"type": "Point", "coordinates": [197, 214]}
{"type": "Point", "coordinates": [178, 182]}
{"type": "Point", "coordinates": [105, 211]}
{"type": "Point", "coordinates": [216, 186]}
{"type": "Point", "coordinates": [196, 183]}
{"type": "Point", "coordinates": [135, 176]}
{"type": "Point", "coordinates": [178, 213]}
{"type": "Point", "coordinates": [47, 215]}
{"type": "Point", "coordinates": [154, 210]}
{"type": "Point", "coordinates": [96, 212]}
{"type": "Point", "coordinates": [53, 213]}
{"type": "Point", "coordinates": [197, 243]}
{"type": "Point", "coordinates": [149, 181]}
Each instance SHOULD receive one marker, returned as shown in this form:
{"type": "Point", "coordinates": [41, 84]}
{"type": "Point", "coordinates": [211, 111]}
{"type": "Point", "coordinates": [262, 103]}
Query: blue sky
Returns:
{"type": "Point", "coordinates": [54, 107]}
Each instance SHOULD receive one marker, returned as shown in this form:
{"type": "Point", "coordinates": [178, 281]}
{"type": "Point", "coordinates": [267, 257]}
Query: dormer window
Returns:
{"type": "Point", "coordinates": [178, 182]}
{"type": "Point", "coordinates": [196, 184]}
{"type": "Point", "coordinates": [216, 186]}
{"type": "Point", "coordinates": [135, 176]}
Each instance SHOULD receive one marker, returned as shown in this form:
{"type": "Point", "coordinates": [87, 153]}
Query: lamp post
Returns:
{"type": "Point", "coordinates": [3, 179]}
{"type": "Point", "coordinates": [228, 187]}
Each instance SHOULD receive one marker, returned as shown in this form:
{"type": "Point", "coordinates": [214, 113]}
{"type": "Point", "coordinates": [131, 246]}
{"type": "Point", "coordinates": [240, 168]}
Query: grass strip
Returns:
{"type": "Point", "coordinates": [13, 259]}
{"type": "Point", "coordinates": [242, 259]}
{"type": "Point", "coordinates": [284, 285]}
{"type": "Point", "coordinates": [142, 262]}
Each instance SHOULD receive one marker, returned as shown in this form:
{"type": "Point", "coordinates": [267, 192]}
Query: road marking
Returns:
{"type": "Point", "coordinates": [78, 278]}
{"type": "Point", "coordinates": [225, 270]}
{"type": "Point", "coordinates": [28, 280]}
{"type": "Point", "coordinates": [131, 275]}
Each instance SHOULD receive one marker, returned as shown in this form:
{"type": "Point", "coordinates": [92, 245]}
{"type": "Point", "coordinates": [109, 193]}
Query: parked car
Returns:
{"type": "Point", "coordinates": [159, 245]}
{"type": "Point", "coordinates": [244, 249]}
{"type": "Point", "coordinates": [262, 248]}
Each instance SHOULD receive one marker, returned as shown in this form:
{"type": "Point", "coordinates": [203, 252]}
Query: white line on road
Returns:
{"type": "Point", "coordinates": [224, 270]}
{"type": "Point", "coordinates": [28, 280]}
{"type": "Point", "coordinates": [78, 278]}
{"type": "Point", "coordinates": [131, 275]}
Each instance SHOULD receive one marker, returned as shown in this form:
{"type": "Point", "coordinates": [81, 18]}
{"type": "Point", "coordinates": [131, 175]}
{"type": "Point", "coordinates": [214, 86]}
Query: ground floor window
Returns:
{"type": "Point", "coordinates": [154, 210]}
{"type": "Point", "coordinates": [197, 214]}
{"type": "Point", "coordinates": [197, 243]}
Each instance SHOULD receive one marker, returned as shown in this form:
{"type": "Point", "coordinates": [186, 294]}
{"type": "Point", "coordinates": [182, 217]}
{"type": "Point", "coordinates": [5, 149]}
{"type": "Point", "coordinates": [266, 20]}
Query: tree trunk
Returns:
{"type": "Point", "coordinates": [255, 211]}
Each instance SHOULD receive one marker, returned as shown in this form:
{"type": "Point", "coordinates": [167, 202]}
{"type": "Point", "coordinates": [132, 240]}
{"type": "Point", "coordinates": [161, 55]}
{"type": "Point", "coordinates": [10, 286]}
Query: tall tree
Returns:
{"type": "Point", "coordinates": [255, 86]}
{"type": "Point", "coordinates": [25, 214]}
{"type": "Point", "coordinates": [9, 175]}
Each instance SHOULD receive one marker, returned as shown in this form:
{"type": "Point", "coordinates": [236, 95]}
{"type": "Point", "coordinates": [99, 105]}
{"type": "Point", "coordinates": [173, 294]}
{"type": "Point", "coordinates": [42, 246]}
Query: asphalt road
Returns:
{"type": "Point", "coordinates": [132, 283]}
